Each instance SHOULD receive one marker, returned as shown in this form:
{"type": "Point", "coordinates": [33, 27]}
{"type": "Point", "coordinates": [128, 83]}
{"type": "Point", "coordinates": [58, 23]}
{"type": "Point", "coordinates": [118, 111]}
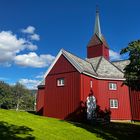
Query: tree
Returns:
{"type": "Point", "coordinates": [6, 100]}
{"type": "Point", "coordinates": [16, 97]}
{"type": "Point", "coordinates": [23, 97]}
{"type": "Point", "coordinates": [132, 70]}
{"type": "Point", "coordinates": [18, 91]}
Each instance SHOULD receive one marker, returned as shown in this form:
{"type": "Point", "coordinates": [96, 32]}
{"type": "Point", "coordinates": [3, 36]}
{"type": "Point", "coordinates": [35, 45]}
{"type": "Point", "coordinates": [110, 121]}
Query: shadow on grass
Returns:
{"type": "Point", "coordinates": [114, 131]}
{"type": "Point", "coordinates": [13, 132]}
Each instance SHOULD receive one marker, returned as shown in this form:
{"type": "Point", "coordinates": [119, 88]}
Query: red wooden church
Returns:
{"type": "Point", "coordinates": [70, 80]}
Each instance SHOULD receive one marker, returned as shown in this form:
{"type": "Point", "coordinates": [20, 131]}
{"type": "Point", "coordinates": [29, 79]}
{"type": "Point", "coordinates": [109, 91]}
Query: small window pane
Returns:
{"type": "Point", "coordinates": [60, 82]}
{"type": "Point", "coordinates": [113, 103]}
{"type": "Point", "coordinates": [112, 86]}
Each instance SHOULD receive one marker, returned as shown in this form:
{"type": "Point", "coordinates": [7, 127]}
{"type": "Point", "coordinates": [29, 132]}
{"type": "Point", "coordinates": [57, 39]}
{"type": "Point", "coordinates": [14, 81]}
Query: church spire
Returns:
{"type": "Point", "coordinates": [97, 46]}
{"type": "Point", "coordinates": [97, 28]}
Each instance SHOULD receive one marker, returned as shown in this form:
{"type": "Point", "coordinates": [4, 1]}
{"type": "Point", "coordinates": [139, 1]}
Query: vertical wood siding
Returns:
{"type": "Point", "coordinates": [135, 104]}
{"type": "Point", "coordinates": [86, 89]}
{"type": "Point", "coordinates": [123, 112]}
{"type": "Point", "coordinates": [40, 100]}
{"type": "Point", "coordinates": [61, 102]}
{"type": "Point", "coordinates": [99, 50]}
{"type": "Point", "coordinates": [103, 95]}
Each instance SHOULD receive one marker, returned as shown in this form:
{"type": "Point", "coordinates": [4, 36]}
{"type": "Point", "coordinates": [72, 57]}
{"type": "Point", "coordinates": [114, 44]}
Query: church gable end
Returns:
{"type": "Point", "coordinates": [62, 66]}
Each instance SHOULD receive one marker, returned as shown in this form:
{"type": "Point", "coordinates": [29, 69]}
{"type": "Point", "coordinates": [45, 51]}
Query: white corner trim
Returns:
{"type": "Point", "coordinates": [53, 63]}
{"type": "Point", "coordinates": [101, 78]}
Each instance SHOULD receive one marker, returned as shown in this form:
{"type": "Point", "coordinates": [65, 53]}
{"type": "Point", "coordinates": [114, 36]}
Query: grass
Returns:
{"type": "Point", "coordinates": [25, 126]}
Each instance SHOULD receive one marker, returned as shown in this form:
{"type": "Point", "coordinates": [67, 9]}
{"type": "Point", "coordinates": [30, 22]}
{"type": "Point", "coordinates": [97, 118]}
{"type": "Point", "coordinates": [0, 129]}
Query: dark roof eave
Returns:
{"type": "Point", "coordinates": [41, 86]}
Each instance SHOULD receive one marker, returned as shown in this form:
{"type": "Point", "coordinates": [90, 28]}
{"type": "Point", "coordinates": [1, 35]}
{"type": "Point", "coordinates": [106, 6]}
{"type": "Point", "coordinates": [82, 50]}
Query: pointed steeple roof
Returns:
{"type": "Point", "coordinates": [97, 28]}
{"type": "Point", "coordinates": [97, 38]}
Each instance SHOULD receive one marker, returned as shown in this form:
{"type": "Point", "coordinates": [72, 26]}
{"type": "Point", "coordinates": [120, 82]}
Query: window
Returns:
{"type": "Point", "coordinates": [113, 103]}
{"type": "Point", "coordinates": [91, 84]}
{"type": "Point", "coordinates": [60, 82]}
{"type": "Point", "coordinates": [112, 86]}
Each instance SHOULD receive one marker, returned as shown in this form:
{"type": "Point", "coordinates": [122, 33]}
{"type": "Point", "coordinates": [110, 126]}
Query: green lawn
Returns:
{"type": "Point", "coordinates": [25, 126]}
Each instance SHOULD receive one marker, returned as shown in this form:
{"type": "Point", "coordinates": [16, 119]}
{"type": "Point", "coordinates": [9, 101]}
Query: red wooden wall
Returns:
{"type": "Point", "coordinates": [86, 89]}
{"type": "Point", "coordinates": [40, 100]}
{"type": "Point", "coordinates": [61, 102]}
{"type": "Point", "coordinates": [103, 95]}
{"type": "Point", "coordinates": [123, 112]}
{"type": "Point", "coordinates": [106, 52]}
{"type": "Point", "coordinates": [98, 50]}
{"type": "Point", "coordinates": [135, 104]}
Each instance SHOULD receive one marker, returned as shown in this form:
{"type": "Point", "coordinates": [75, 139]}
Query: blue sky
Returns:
{"type": "Point", "coordinates": [33, 31]}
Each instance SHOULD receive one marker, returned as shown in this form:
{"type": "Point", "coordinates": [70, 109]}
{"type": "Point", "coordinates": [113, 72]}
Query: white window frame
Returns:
{"type": "Point", "coordinates": [112, 86]}
{"type": "Point", "coordinates": [60, 82]}
{"type": "Point", "coordinates": [113, 103]}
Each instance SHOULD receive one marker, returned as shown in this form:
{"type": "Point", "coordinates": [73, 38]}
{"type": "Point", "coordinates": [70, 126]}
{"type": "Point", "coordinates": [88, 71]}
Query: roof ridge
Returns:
{"type": "Point", "coordinates": [77, 56]}
{"type": "Point", "coordinates": [93, 68]}
{"type": "Point", "coordinates": [112, 64]}
{"type": "Point", "coordinates": [99, 38]}
{"type": "Point", "coordinates": [98, 63]}
{"type": "Point", "coordinates": [80, 59]}
{"type": "Point", "coordinates": [63, 51]}
{"type": "Point", "coordinates": [93, 37]}
{"type": "Point", "coordinates": [104, 41]}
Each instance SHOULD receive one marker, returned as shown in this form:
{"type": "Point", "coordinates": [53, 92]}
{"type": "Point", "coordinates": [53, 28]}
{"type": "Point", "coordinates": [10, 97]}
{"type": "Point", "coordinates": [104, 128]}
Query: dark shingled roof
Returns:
{"type": "Point", "coordinates": [83, 64]}
{"type": "Point", "coordinates": [104, 41]}
{"type": "Point", "coordinates": [107, 70]}
{"type": "Point", "coordinates": [121, 64]}
{"type": "Point", "coordinates": [98, 66]}
{"type": "Point", "coordinates": [95, 40]}
{"type": "Point", "coordinates": [94, 62]}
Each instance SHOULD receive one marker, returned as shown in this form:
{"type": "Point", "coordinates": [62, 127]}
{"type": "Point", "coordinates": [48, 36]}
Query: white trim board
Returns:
{"type": "Point", "coordinates": [102, 78]}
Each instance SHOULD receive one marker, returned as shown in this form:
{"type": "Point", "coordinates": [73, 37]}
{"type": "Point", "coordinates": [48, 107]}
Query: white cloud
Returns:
{"type": "Point", "coordinates": [31, 46]}
{"type": "Point", "coordinates": [11, 46]}
{"type": "Point", "coordinates": [31, 31]}
{"type": "Point", "coordinates": [35, 37]}
{"type": "Point", "coordinates": [28, 30]}
{"type": "Point", "coordinates": [29, 83]}
{"type": "Point", "coordinates": [40, 76]}
{"type": "Point", "coordinates": [33, 60]}
{"type": "Point", "coordinates": [10, 42]}
{"type": "Point", "coordinates": [114, 55]}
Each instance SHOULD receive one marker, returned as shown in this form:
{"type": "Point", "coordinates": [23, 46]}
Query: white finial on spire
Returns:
{"type": "Point", "coordinates": [97, 29]}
